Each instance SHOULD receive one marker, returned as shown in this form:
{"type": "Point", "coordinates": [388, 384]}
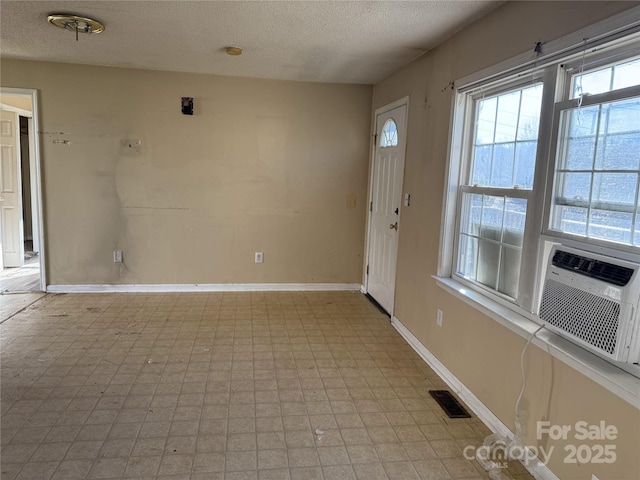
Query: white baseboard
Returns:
{"type": "Point", "coordinates": [208, 287]}
{"type": "Point", "coordinates": [539, 471]}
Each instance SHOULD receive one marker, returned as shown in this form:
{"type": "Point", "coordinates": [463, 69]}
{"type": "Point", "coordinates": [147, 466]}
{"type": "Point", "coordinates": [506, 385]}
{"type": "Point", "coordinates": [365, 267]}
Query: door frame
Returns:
{"type": "Point", "coordinates": [36, 173]}
{"type": "Point", "coordinates": [390, 106]}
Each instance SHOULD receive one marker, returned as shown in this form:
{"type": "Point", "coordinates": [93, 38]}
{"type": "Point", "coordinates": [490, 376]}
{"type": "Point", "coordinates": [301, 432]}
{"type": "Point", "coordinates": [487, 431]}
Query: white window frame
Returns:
{"type": "Point", "coordinates": [603, 39]}
{"type": "Point", "coordinates": [463, 158]}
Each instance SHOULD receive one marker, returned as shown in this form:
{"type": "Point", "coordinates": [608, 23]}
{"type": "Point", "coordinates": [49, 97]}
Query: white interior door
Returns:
{"type": "Point", "coordinates": [386, 198]}
{"type": "Point", "coordinates": [10, 195]}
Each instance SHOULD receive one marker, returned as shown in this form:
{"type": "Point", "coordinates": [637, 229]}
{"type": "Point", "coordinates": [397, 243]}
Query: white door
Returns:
{"type": "Point", "coordinates": [386, 199]}
{"type": "Point", "coordinates": [10, 200]}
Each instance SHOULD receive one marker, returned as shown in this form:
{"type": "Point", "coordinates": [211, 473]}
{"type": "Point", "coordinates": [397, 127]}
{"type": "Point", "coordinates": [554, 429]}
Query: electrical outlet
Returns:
{"type": "Point", "coordinates": [259, 257]}
{"type": "Point", "coordinates": [593, 477]}
{"type": "Point", "coordinates": [117, 256]}
{"type": "Point", "coordinates": [439, 318]}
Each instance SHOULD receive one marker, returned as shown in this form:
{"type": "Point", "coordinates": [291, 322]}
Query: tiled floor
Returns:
{"type": "Point", "coordinates": [21, 279]}
{"type": "Point", "coordinates": [221, 386]}
{"type": "Point", "coordinates": [12, 303]}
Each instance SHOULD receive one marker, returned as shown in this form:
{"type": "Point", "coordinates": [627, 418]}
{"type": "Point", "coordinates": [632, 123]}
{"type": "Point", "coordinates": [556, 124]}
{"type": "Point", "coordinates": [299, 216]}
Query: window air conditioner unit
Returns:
{"type": "Point", "coordinates": [593, 300]}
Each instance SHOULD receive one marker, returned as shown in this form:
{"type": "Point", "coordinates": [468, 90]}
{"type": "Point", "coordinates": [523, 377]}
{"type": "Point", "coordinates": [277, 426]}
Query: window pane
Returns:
{"type": "Point", "coordinates": [471, 211]}
{"type": "Point", "coordinates": [486, 123]}
{"type": "Point", "coordinates": [615, 188]}
{"type": "Point", "coordinates": [570, 219]}
{"type": "Point", "coordinates": [626, 74]}
{"type": "Point", "coordinates": [529, 120]}
{"type": "Point", "coordinates": [389, 137]}
{"type": "Point", "coordinates": [619, 136]}
{"type": "Point", "coordinates": [607, 225]}
{"type": "Point", "coordinates": [525, 164]}
{"type": "Point", "coordinates": [492, 212]}
{"type": "Point", "coordinates": [592, 83]}
{"type": "Point", "coordinates": [584, 121]}
{"type": "Point", "coordinates": [509, 271]}
{"type": "Point", "coordinates": [482, 165]}
{"type": "Point", "coordinates": [623, 116]}
{"type": "Point", "coordinates": [507, 118]}
{"type": "Point", "coordinates": [488, 263]}
{"type": "Point", "coordinates": [619, 152]}
{"type": "Point", "coordinates": [580, 153]}
{"type": "Point", "coordinates": [514, 219]}
{"type": "Point", "coordinates": [502, 169]}
{"type": "Point", "coordinates": [575, 187]}
{"type": "Point", "coordinates": [467, 255]}
{"type": "Point", "coordinates": [505, 139]}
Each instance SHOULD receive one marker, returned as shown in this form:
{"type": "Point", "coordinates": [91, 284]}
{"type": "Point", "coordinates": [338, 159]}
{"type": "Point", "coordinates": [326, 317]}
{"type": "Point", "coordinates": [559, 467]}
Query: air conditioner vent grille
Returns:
{"type": "Point", "coordinates": [590, 318]}
{"type": "Point", "coordinates": [609, 272]}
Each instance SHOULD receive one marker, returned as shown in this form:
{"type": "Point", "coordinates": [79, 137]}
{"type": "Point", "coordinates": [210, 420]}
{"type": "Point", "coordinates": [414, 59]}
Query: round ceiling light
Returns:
{"type": "Point", "coordinates": [234, 51]}
{"type": "Point", "coordinates": [76, 24]}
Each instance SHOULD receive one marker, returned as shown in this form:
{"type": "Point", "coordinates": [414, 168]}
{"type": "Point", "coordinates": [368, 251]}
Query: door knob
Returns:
{"type": "Point", "coordinates": [394, 226]}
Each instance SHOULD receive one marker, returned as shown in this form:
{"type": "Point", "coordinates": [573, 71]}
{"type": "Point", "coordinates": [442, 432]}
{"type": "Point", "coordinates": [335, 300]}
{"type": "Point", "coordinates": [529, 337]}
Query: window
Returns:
{"type": "Point", "coordinates": [389, 136]}
{"type": "Point", "coordinates": [548, 153]}
{"type": "Point", "coordinates": [597, 168]}
{"type": "Point", "coordinates": [494, 198]}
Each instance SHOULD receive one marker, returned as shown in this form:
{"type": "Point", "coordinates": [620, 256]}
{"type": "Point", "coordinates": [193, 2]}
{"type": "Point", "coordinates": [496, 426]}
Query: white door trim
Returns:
{"type": "Point", "coordinates": [390, 106]}
{"type": "Point", "coordinates": [34, 143]}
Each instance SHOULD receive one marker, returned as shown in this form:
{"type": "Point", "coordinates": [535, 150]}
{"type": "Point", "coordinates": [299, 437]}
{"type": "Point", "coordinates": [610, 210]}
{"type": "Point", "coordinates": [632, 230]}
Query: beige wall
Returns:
{"type": "Point", "coordinates": [480, 352]}
{"type": "Point", "coordinates": [261, 166]}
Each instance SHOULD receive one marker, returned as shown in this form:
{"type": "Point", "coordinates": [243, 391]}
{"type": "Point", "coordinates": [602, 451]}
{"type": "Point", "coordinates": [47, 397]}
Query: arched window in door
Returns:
{"type": "Point", "coordinates": [389, 137]}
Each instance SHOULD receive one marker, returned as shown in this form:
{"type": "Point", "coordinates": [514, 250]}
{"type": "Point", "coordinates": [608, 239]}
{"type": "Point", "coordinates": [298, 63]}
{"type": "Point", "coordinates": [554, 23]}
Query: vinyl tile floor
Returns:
{"type": "Point", "coordinates": [12, 303]}
{"type": "Point", "coordinates": [222, 386]}
{"type": "Point", "coordinates": [21, 279]}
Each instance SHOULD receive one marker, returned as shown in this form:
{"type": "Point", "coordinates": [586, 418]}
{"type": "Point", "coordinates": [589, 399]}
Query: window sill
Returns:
{"type": "Point", "coordinates": [616, 380]}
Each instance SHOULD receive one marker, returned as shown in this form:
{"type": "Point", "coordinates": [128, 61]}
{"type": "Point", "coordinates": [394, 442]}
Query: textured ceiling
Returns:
{"type": "Point", "coordinates": [321, 41]}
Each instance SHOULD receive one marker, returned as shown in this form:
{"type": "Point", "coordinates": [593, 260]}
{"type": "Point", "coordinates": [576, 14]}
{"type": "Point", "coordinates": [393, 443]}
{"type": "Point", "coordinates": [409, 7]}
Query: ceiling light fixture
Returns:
{"type": "Point", "coordinates": [74, 23]}
{"type": "Point", "coordinates": [234, 51]}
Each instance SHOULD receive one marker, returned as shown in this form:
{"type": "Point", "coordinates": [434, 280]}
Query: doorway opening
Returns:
{"type": "Point", "coordinates": [21, 226]}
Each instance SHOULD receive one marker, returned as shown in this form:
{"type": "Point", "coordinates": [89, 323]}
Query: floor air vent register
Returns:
{"type": "Point", "coordinates": [449, 404]}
